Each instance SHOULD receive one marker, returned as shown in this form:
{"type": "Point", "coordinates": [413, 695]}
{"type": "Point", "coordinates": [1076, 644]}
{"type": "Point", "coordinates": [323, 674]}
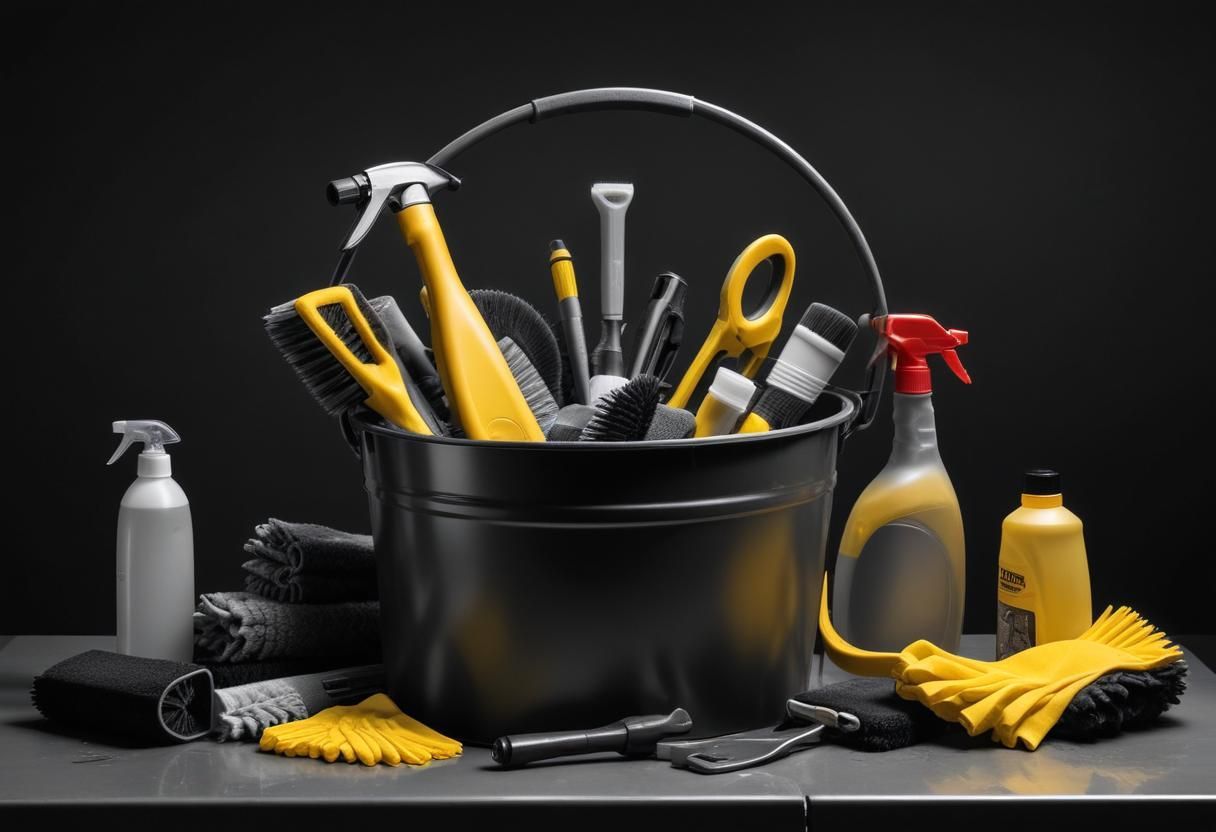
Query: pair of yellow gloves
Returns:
{"type": "Point", "coordinates": [374, 731]}
{"type": "Point", "coordinates": [1019, 698]}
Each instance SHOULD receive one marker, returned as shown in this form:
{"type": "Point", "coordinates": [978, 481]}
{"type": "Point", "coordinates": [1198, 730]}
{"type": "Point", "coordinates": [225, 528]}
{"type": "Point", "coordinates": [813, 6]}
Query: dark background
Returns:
{"type": "Point", "coordinates": [1042, 177]}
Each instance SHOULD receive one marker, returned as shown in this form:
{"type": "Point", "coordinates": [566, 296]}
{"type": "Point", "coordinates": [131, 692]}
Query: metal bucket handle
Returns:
{"type": "Point", "coordinates": [671, 103]}
{"type": "Point", "coordinates": [677, 104]}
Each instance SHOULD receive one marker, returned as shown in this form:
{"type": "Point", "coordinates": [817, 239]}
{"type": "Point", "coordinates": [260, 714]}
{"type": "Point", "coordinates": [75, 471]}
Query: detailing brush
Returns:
{"type": "Point", "coordinates": [536, 393]}
{"type": "Point", "coordinates": [625, 414]}
{"type": "Point", "coordinates": [813, 352]}
{"type": "Point", "coordinates": [510, 316]}
{"type": "Point", "coordinates": [336, 343]}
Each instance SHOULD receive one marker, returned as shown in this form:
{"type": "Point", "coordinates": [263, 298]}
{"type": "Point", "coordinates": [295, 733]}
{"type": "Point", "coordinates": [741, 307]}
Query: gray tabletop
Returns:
{"type": "Point", "coordinates": [1170, 767]}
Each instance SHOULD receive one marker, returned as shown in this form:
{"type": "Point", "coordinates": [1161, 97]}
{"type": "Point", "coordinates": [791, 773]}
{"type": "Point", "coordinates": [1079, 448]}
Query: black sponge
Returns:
{"type": "Point", "coordinates": [887, 721]}
{"type": "Point", "coordinates": [141, 701]}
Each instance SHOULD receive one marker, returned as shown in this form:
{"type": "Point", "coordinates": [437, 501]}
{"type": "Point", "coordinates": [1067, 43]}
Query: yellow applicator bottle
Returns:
{"type": "Point", "coordinates": [1042, 588]}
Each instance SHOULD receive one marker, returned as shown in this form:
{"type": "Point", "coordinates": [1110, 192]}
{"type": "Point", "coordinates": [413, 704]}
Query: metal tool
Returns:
{"type": "Point", "coordinates": [733, 752]}
{"type": "Point", "coordinates": [738, 333]}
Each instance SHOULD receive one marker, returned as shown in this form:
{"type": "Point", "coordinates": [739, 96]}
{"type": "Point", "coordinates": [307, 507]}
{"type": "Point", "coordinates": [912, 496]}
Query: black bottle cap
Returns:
{"type": "Point", "coordinates": [1042, 481]}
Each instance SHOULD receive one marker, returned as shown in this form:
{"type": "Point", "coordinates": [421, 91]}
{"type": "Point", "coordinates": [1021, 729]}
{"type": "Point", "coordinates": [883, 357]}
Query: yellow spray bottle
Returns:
{"type": "Point", "coordinates": [1042, 588]}
{"type": "Point", "coordinates": [901, 569]}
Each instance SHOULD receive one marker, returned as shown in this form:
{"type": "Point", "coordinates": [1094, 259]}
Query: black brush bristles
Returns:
{"type": "Point", "coordinates": [322, 374]}
{"type": "Point", "coordinates": [510, 316]}
{"type": "Point", "coordinates": [832, 325]}
{"type": "Point", "coordinates": [780, 408]}
{"type": "Point", "coordinates": [625, 414]}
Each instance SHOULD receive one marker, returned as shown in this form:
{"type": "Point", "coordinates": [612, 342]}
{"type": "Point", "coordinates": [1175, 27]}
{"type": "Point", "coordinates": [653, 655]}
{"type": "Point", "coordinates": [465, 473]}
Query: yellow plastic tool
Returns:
{"type": "Point", "coordinates": [374, 731]}
{"type": "Point", "coordinates": [737, 331]}
{"type": "Point", "coordinates": [1018, 698]}
{"type": "Point", "coordinates": [387, 394]}
{"type": "Point", "coordinates": [481, 392]}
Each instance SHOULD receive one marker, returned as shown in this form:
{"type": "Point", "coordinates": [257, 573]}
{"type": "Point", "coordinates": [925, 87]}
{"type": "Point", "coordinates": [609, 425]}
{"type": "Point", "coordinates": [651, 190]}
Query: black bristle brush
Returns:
{"type": "Point", "coordinates": [510, 316]}
{"type": "Point", "coordinates": [624, 415]}
{"type": "Point", "coordinates": [807, 361]}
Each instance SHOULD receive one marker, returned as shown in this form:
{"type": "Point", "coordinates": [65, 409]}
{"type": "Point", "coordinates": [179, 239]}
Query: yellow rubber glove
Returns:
{"type": "Point", "coordinates": [374, 731]}
{"type": "Point", "coordinates": [1021, 697]}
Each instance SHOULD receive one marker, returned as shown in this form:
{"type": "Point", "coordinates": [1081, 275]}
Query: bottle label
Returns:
{"type": "Point", "coordinates": [1010, 581]}
{"type": "Point", "coordinates": [1014, 628]}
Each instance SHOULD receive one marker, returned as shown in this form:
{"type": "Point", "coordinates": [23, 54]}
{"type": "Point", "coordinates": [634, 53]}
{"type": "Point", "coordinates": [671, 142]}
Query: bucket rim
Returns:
{"type": "Point", "coordinates": [846, 413]}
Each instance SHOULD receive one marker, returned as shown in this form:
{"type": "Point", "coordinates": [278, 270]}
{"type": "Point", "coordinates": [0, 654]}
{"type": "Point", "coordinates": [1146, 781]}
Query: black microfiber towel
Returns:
{"type": "Point", "coordinates": [298, 563]}
{"type": "Point", "coordinates": [1119, 701]}
{"type": "Point", "coordinates": [139, 701]}
{"type": "Point", "coordinates": [887, 721]}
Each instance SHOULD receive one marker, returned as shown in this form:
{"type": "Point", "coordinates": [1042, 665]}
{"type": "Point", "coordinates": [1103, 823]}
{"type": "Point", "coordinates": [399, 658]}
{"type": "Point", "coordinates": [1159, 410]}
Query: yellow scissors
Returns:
{"type": "Point", "coordinates": [736, 332]}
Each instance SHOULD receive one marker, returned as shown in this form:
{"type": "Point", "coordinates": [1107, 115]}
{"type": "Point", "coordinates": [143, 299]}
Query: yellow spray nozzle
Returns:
{"type": "Point", "coordinates": [561, 266]}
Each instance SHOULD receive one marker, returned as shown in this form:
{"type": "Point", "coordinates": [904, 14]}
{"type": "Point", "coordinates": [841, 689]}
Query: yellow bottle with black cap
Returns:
{"type": "Point", "coordinates": [1042, 587]}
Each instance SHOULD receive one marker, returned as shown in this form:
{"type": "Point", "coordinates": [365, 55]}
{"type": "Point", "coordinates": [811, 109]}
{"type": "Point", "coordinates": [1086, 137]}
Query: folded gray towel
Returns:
{"type": "Point", "coordinates": [307, 563]}
{"type": "Point", "coordinates": [241, 626]}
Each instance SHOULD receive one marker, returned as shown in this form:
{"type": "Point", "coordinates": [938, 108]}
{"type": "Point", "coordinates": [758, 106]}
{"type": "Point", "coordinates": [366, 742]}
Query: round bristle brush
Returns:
{"type": "Point", "coordinates": [510, 316]}
{"type": "Point", "coordinates": [624, 414]}
{"type": "Point", "coordinates": [806, 364]}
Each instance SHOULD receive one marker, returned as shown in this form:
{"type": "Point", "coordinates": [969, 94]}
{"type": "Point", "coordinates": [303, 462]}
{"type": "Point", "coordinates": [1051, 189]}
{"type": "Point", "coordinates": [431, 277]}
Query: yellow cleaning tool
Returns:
{"type": "Point", "coordinates": [484, 397]}
{"type": "Point", "coordinates": [1018, 698]}
{"type": "Point", "coordinates": [340, 323]}
{"type": "Point", "coordinates": [737, 331]}
{"type": "Point", "coordinates": [374, 731]}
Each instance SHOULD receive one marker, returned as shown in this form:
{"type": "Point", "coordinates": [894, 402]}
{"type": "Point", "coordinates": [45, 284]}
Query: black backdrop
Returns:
{"type": "Point", "coordinates": [1041, 177]}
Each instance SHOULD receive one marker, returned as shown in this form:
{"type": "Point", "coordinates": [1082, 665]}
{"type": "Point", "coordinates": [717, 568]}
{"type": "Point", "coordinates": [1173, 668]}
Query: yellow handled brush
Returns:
{"type": "Point", "coordinates": [328, 338]}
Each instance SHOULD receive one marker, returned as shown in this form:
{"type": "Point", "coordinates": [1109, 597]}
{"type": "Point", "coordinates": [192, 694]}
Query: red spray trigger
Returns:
{"type": "Point", "coordinates": [910, 340]}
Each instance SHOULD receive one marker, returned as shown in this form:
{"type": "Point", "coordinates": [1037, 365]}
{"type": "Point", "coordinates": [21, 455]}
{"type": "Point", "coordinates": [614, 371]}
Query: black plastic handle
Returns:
{"type": "Point", "coordinates": [632, 736]}
{"type": "Point", "coordinates": [671, 103]}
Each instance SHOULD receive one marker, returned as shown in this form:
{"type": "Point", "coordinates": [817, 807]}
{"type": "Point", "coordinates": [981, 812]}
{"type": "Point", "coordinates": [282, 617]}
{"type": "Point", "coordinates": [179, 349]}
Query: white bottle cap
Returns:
{"type": "Point", "coordinates": [732, 389]}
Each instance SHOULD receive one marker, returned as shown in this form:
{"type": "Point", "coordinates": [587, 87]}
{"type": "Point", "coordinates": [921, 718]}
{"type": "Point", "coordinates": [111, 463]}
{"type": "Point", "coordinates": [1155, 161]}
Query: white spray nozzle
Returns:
{"type": "Point", "coordinates": [155, 436]}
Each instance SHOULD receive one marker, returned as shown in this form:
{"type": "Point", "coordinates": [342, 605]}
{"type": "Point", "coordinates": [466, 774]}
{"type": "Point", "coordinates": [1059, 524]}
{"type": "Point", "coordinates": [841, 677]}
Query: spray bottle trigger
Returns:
{"type": "Point", "coordinates": [956, 364]}
{"type": "Point", "coordinates": [154, 434]}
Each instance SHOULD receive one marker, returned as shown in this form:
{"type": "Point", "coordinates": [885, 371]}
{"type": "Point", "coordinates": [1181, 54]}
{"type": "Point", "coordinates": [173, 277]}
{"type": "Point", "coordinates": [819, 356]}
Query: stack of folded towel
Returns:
{"type": "Point", "coordinates": [310, 604]}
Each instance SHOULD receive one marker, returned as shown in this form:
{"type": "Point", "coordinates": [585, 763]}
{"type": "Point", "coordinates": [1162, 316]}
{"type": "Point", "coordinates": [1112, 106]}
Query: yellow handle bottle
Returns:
{"type": "Point", "coordinates": [1042, 587]}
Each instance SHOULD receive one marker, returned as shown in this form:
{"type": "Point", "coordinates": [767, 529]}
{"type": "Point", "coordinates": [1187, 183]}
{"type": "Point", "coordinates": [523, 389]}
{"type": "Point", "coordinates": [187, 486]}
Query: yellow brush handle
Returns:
{"type": "Point", "coordinates": [735, 330]}
{"type": "Point", "coordinates": [481, 391]}
{"type": "Point", "coordinates": [382, 379]}
{"type": "Point", "coordinates": [844, 655]}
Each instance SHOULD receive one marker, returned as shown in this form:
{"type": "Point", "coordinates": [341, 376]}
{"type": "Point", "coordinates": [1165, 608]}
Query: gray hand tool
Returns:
{"type": "Point", "coordinates": [612, 201]}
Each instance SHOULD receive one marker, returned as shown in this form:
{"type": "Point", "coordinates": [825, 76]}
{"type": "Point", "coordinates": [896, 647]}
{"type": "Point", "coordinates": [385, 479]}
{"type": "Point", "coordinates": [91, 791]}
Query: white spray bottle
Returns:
{"type": "Point", "coordinates": [155, 551]}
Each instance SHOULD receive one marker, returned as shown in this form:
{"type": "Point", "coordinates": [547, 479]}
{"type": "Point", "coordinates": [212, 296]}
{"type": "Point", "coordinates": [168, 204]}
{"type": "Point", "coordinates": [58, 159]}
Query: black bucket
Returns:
{"type": "Point", "coordinates": [542, 586]}
{"type": "Point", "coordinates": [538, 586]}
